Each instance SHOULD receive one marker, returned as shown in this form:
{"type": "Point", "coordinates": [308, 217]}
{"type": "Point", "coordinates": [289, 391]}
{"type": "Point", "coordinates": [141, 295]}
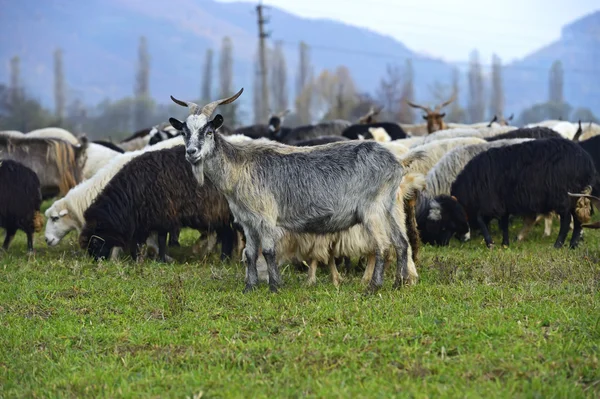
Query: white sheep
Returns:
{"type": "Point", "coordinates": [435, 150]}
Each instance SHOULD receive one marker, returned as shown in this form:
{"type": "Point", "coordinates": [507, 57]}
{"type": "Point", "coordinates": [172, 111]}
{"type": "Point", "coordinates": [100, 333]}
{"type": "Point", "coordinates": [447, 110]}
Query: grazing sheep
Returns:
{"type": "Point", "coordinates": [20, 201]}
{"type": "Point", "coordinates": [343, 184]}
{"type": "Point", "coordinates": [356, 132]}
{"type": "Point", "coordinates": [56, 162]}
{"type": "Point", "coordinates": [156, 191]}
{"type": "Point", "coordinates": [537, 132]}
{"type": "Point", "coordinates": [437, 149]}
{"type": "Point", "coordinates": [66, 214]}
{"type": "Point", "coordinates": [526, 179]}
{"type": "Point", "coordinates": [53, 133]}
{"type": "Point", "coordinates": [95, 157]}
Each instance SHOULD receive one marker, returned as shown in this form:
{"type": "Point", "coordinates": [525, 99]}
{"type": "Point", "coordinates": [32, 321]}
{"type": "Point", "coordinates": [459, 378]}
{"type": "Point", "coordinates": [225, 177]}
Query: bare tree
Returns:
{"type": "Point", "coordinates": [226, 81]}
{"type": "Point", "coordinates": [304, 86]}
{"type": "Point", "coordinates": [279, 79]}
{"type": "Point", "coordinates": [389, 91]}
{"type": "Point", "coordinates": [142, 85]}
{"type": "Point", "coordinates": [405, 111]}
{"type": "Point", "coordinates": [556, 83]}
{"type": "Point", "coordinates": [335, 94]}
{"type": "Point", "coordinates": [16, 90]}
{"type": "Point", "coordinates": [476, 89]}
{"type": "Point", "coordinates": [456, 113]}
{"type": "Point", "coordinates": [497, 98]}
{"type": "Point", "coordinates": [59, 85]}
{"type": "Point", "coordinates": [207, 76]}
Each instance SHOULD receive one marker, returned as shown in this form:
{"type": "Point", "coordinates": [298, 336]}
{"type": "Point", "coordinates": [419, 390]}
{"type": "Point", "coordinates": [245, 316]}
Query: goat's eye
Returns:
{"type": "Point", "coordinates": [209, 133]}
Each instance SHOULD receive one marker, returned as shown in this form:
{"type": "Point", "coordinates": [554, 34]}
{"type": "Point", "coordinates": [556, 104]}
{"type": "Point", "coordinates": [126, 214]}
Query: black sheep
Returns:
{"type": "Point", "coordinates": [20, 200]}
{"type": "Point", "coordinates": [439, 218]}
{"type": "Point", "coordinates": [526, 179]}
{"type": "Point", "coordinates": [538, 132]}
{"type": "Point", "coordinates": [592, 147]}
{"type": "Point", "coordinates": [156, 191]}
{"type": "Point", "coordinates": [392, 129]}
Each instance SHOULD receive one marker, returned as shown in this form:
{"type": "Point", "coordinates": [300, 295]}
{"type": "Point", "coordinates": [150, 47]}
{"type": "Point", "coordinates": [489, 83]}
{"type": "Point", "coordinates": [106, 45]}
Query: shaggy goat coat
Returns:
{"type": "Point", "coordinates": [20, 200]}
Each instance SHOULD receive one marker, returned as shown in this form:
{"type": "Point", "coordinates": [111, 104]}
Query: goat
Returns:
{"type": "Point", "coordinates": [20, 201]}
{"type": "Point", "coordinates": [433, 116]}
{"type": "Point", "coordinates": [343, 184]}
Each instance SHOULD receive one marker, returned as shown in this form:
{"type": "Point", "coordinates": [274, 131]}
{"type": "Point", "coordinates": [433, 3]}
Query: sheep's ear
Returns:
{"type": "Point", "coordinates": [177, 124]}
{"type": "Point", "coordinates": [63, 212]}
{"type": "Point", "coordinates": [218, 121]}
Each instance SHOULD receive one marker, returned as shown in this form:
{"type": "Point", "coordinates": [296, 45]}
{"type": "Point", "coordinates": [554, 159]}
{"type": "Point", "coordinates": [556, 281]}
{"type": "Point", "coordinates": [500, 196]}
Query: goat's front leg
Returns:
{"type": "Point", "coordinates": [251, 253]}
{"type": "Point", "coordinates": [268, 250]}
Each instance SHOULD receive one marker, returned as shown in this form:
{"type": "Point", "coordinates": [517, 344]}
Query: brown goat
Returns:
{"type": "Point", "coordinates": [433, 116]}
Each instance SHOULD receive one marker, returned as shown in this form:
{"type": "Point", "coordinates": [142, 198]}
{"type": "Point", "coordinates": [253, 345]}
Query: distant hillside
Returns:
{"type": "Point", "coordinates": [526, 81]}
{"type": "Point", "coordinates": [100, 37]}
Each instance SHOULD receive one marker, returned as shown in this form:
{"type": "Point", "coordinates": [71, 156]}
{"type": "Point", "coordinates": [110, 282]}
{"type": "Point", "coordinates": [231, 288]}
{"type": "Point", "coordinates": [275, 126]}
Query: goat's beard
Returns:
{"type": "Point", "coordinates": [198, 170]}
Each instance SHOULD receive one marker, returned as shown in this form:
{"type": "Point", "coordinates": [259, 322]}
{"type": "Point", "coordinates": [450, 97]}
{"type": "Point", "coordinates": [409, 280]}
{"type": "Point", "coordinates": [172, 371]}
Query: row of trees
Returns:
{"type": "Point", "coordinates": [328, 95]}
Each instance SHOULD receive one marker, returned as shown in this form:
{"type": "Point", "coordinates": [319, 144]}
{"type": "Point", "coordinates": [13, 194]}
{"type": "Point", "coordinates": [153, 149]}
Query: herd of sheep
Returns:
{"type": "Point", "coordinates": [318, 194]}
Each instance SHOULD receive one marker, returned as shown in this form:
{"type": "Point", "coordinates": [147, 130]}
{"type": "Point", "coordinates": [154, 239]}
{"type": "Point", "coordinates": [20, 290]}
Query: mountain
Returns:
{"type": "Point", "coordinates": [99, 39]}
{"type": "Point", "coordinates": [526, 80]}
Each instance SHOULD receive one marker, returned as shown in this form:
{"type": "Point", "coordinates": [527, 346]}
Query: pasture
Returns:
{"type": "Point", "coordinates": [517, 322]}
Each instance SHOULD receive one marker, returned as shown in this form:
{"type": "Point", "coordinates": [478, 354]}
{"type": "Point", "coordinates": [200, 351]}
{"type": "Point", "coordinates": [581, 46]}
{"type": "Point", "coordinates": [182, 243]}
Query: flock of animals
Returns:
{"type": "Point", "coordinates": [321, 194]}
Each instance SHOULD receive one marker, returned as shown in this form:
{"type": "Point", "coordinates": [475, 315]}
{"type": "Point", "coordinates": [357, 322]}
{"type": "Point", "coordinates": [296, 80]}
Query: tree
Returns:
{"type": "Point", "coordinates": [497, 97]}
{"type": "Point", "coordinates": [279, 79]}
{"type": "Point", "coordinates": [556, 83]}
{"type": "Point", "coordinates": [304, 85]}
{"type": "Point", "coordinates": [456, 114]}
{"type": "Point", "coordinates": [544, 111]}
{"type": "Point", "coordinates": [142, 86]}
{"type": "Point", "coordinates": [226, 81]}
{"type": "Point", "coordinates": [389, 91]}
{"type": "Point", "coordinates": [405, 112]}
{"type": "Point", "coordinates": [59, 86]}
{"type": "Point", "coordinates": [21, 113]}
{"type": "Point", "coordinates": [207, 77]}
{"type": "Point", "coordinates": [584, 115]}
{"type": "Point", "coordinates": [476, 90]}
{"type": "Point", "coordinates": [334, 94]}
{"type": "Point", "coordinates": [16, 91]}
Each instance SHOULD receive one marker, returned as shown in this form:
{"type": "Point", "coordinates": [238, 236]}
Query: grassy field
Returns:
{"type": "Point", "coordinates": [518, 322]}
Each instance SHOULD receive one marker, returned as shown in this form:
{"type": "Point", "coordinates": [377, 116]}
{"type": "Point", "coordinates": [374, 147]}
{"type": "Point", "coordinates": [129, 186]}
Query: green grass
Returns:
{"type": "Point", "coordinates": [518, 322]}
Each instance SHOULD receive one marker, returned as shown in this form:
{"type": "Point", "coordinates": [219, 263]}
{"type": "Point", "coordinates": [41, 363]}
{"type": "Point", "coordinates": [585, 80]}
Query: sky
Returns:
{"type": "Point", "coordinates": [450, 29]}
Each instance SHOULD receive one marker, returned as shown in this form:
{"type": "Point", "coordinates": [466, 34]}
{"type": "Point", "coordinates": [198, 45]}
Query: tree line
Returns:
{"type": "Point", "coordinates": [330, 94]}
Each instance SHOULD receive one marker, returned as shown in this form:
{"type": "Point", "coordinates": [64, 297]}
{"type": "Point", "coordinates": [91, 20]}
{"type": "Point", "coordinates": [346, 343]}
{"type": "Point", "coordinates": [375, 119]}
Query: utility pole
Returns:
{"type": "Point", "coordinates": [262, 36]}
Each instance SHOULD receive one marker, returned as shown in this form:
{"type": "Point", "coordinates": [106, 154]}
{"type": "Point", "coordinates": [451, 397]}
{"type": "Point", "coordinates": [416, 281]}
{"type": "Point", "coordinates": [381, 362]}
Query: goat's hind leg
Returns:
{"type": "Point", "coordinates": [251, 254]}
{"type": "Point", "coordinates": [268, 250]}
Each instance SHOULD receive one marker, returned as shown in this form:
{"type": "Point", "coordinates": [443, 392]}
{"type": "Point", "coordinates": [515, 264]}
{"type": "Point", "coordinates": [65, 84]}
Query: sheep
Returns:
{"type": "Point", "coordinates": [566, 129]}
{"type": "Point", "coordinates": [355, 132]}
{"type": "Point", "coordinates": [436, 150]}
{"type": "Point", "coordinates": [12, 133]}
{"type": "Point", "coordinates": [591, 130]}
{"type": "Point", "coordinates": [20, 201]}
{"type": "Point", "coordinates": [53, 133]}
{"type": "Point", "coordinates": [110, 145]}
{"type": "Point", "coordinates": [301, 133]}
{"type": "Point", "coordinates": [527, 179]}
{"type": "Point", "coordinates": [66, 214]}
{"type": "Point", "coordinates": [410, 142]}
{"type": "Point", "coordinates": [343, 184]}
{"type": "Point", "coordinates": [525, 133]}
{"type": "Point", "coordinates": [433, 116]}
{"type": "Point", "coordinates": [56, 162]}
{"type": "Point", "coordinates": [137, 140]}
{"type": "Point", "coordinates": [467, 132]}
{"type": "Point", "coordinates": [156, 191]}
{"type": "Point", "coordinates": [95, 157]}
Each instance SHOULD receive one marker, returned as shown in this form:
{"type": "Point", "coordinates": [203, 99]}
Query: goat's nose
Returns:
{"type": "Point", "coordinates": [192, 151]}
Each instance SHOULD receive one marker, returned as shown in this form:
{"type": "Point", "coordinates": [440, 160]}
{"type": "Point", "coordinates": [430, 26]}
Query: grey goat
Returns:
{"type": "Point", "coordinates": [274, 189]}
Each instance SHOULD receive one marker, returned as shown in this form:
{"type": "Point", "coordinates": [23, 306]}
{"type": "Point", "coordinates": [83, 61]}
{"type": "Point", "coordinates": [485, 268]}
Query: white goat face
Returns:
{"type": "Point", "coordinates": [59, 225]}
{"type": "Point", "coordinates": [198, 135]}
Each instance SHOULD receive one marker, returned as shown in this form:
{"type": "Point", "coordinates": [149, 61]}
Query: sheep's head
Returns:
{"type": "Point", "coordinates": [199, 131]}
{"type": "Point", "coordinates": [434, 116]}
{"type": "Point", "coordinates": [276, 121]}
{"type": "Point", "coordinates": [59, 224]}
{"type": "Point", "coordinates": [443, 218]}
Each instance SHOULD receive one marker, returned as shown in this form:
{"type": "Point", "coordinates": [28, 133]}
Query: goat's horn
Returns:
{"type": "Point", "coordinates": [584, 196]}
{"type": "Point", "coordinates": [194, 108]}
{"type": "Point", "coordinates": [209, 108]}
{"type": "Point", "coordinates": [442, 105]}
{"type": "Point", "coordinates": [418, 106]}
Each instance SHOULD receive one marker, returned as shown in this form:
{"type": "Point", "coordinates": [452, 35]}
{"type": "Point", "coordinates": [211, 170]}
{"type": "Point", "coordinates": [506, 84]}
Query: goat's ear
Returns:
{"type": "Point", "coordinates": [425, 117]}
{"type": "Point", "coordinates": [218, 121]}
{"type": "Point", "coordinates": [177, 124]}
{"type": "Point", "coordinates": [442, 115]}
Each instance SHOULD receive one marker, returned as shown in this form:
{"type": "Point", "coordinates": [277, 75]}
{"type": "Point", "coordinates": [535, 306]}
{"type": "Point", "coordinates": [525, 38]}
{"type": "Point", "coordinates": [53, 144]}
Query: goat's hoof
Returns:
{"type": "Point", "coordinates": [249, 288]}
{"type": "Point", "coordinates": [311, 281]}
{"type": "Point", "coordinates": [558, 245]}
{"type": "Point", "coordinates": [372, 289]}
{"type": "Point", "coordinates": [490, 246]}
{"type": "Point", "coordinates": [274, 288]}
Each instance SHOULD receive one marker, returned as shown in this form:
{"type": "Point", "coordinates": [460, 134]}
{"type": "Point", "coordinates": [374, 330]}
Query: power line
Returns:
{"type": "Point", "coordinates": [429, 60]}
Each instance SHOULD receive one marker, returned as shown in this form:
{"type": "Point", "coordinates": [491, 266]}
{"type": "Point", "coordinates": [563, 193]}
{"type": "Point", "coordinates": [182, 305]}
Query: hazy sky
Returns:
{"type": "Point", "coordinates": [452, 28]}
